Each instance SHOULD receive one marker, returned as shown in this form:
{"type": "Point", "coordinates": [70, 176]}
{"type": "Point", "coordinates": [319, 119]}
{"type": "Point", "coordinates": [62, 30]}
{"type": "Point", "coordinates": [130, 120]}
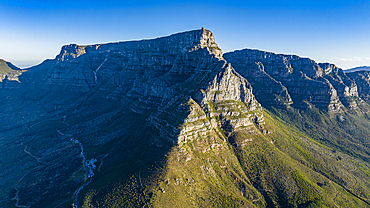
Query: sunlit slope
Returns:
{"type": "Point", "coordinates": [9, 71]}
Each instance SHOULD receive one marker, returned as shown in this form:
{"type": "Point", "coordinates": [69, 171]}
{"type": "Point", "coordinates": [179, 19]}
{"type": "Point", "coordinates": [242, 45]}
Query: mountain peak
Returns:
{"type": "Point", "coordinates": [193, 40]}
{"type": "Point", "coordinates": [71, 51]}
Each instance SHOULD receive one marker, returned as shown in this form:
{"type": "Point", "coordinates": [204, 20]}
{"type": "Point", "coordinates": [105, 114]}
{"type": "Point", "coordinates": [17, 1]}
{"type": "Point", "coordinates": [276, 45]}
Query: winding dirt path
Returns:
{"type": "Point", "coordinates": [354, 168]}
{"type": "Point", "coordinates": [336, 194]}
{"type": "Point", "coordinates": [16, 197]}
{"type": "Point", "coordinates": [335, 198]}
{"type": "Point", "coordinates": [155, 162]}
{"type": "Point", "coordinates": [29, 153]}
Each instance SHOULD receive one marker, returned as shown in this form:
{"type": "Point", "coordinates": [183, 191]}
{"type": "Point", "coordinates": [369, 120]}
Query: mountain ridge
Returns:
{"type": "Point", "coordinates": [175, 122]}
{"type": "Point", "coordinates": [170, 84]}
{"type": "Point", "coordinates": [359, 68]}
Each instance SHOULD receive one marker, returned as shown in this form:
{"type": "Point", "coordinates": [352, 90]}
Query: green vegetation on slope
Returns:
{"type": "Point", "coordinates": [6, 72]}
{"type": "Point", "coordinates": [282, 164]}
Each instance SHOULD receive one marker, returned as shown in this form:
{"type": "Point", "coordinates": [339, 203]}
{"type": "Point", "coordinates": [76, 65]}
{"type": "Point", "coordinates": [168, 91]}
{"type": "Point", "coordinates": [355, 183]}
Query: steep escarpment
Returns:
{"type": "Point", "coordinates": [84, 67]}
{"type": "Point", "coordinates": [186, 105]}
{"type": "Point", "coordinates": [291, 80]}
{"type": "Point", "coordinates": [362, 79]}
{"type": "Point", "coordinates": [315, 91]}
{"type": "Point", "coordinates": [172, 122]}
{"type": "Point", "coordinates": [126, 103]}
{"type": "Point", "coordinates": [346, 88]}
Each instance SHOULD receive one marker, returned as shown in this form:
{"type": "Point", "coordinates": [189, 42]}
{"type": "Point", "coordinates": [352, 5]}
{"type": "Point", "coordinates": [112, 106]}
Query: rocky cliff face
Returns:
{"type": "Point", "coordinates": [346, 88]}
{"type": "Point", "coordinates": [283, 80]}
{"type": "Point", "coordinates": [177, 87]}
{"type": "Point", "coordinates": [362, 79]}
{"type": "Point", "coordinates": [118, 66]}
{"type": "Point", "coordinates": [173, 122]}
{"type": "Point", "coordinates": [153, 73]}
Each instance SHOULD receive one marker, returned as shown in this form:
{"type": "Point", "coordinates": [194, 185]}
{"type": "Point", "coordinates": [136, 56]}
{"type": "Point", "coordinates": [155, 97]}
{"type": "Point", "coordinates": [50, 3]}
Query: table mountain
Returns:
{"type": "Point", "coordinates": [173, 122]}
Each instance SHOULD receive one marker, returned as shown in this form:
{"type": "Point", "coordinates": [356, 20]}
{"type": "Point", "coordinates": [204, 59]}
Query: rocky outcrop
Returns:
{"type": "Point", "coordinates": [284, 80]}
{"type": "Point", "coordinates": [227, 103]}
{"type": "Point", "coordinates": [362, 79]}
{"type": "Point", "coordinates": [267, 89]}
{"type": "Point", "coordinates": [345, 87]}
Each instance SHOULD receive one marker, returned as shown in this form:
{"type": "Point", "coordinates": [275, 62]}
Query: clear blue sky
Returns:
{"type": "Point", "coordinates": [326, 31]}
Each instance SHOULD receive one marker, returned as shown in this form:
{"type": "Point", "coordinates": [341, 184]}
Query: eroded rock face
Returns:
{"type": "Point", "coordinates": [178, 88]}
{"type": "Point", "coordinates": [346, 87]}
{"type": "Point", "coordinates": [127, 105]}
{"type": "Point", "coordinates": [283, 80]}
{"type": "Point", "coordinates": [118, 67]}
{"type": "Point", "coordinates": [154, 73]}
{"type": "Point", "coordinates": [362, 78]}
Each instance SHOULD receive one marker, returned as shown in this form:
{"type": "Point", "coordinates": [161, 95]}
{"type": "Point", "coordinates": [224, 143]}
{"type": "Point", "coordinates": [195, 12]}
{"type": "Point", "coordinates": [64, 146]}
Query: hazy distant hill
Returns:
{"type": "Point", "coordinates": [360, 68]}
{"type": "Point", "coordinates": [9, 71]}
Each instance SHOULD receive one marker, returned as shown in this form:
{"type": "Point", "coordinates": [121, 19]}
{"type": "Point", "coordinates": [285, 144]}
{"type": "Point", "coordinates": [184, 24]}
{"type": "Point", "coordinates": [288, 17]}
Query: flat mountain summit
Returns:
{"type": "Point", "coordinates": [174, 122]}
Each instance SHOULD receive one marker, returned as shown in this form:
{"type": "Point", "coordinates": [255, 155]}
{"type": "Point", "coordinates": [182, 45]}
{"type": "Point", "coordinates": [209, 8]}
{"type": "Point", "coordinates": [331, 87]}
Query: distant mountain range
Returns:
{"type": "Point", "coordinates": [360, 68]}
{"type": "Point", "coordinates": [174, 122]}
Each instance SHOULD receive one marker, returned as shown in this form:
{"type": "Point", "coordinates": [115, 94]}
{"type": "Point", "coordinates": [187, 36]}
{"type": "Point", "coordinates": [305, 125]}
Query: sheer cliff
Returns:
{"type": "Point", "coordinates": [291, 80]}
{"type": "Point", "coordinates": [174, 122]}
{"type": "Point", "coordinates": [362, 79]}
{"type": "Point", "coordinates": [142, 96]}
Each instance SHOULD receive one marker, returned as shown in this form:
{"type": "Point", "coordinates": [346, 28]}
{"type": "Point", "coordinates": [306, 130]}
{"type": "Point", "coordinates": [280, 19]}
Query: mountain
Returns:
{"type": "Point", "coordinates": [9, 71]}
{"type": "Point", "coordinates": [360, 68]}
{"type": "Point", "coordinates": [292, 80]}
{"type": "Point", "coordinates": [174, 122]}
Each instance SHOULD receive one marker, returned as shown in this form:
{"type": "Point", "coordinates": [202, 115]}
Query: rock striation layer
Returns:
{"type": "Point", "coordinates": [149, 74]}
{"type": "Point", "coordinates": [284, 80]}
{"type": "Point", "coordinates": [179, 88]}
{"type": "Point", "coordinates": [362, 79]}
{"type": "Point", "coordinates": [174, 122]}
